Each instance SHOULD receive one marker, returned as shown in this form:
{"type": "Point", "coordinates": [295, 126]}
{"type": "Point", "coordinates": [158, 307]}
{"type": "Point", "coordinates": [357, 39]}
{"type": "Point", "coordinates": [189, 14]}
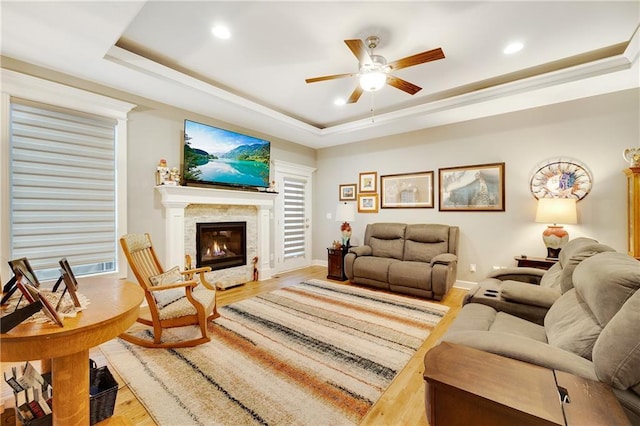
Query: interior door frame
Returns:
{"type": "Point", "coordinates": [282, 169]}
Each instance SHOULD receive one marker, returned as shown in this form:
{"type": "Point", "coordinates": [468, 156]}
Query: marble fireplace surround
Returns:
{"type": "Point", "coordinates": [176, 199]}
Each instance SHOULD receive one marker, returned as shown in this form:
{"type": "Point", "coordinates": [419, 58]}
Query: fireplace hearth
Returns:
{"type": "Point", "coordinates": [221, 245]}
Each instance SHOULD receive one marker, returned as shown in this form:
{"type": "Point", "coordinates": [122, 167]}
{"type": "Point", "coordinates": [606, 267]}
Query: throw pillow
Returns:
{"type": "Point", "coordinates": [165, 297]}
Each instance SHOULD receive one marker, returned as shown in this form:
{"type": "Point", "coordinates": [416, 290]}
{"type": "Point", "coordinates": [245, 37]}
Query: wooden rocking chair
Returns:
{"type": "Point", "coordinates": [172, 301]}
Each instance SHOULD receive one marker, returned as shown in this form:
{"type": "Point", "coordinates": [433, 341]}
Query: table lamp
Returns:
{"type": "Point", "coordinates": [345, 213]}
{"type": "Point", "coordinates": [555, 211]}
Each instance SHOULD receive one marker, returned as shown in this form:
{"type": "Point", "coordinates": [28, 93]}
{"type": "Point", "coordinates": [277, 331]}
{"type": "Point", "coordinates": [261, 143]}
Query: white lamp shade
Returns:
{"type": "Point", "coordinates": [345, 212]}
{"type": "Point", "coordinates": [372, 81]}
{"type": "Point", "coordinates": [557, 211]}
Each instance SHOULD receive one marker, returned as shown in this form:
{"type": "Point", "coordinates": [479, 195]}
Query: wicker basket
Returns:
{"type": "Point", "coordinates": [103, 391]}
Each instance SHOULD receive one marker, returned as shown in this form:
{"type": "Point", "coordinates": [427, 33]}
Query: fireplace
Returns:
{"type": "Point", "coordinates": [221, 245]}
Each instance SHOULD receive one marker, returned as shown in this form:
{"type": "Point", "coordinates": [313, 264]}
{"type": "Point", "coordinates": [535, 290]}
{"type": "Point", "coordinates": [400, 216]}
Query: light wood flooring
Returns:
{"type": "Point", "coordinates": [401, 404]}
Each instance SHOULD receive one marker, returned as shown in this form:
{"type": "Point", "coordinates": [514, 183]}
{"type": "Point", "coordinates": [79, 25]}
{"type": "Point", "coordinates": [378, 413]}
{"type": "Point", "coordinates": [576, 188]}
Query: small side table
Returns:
{"type": "Point", "coordinates": [535, 262]}
{"type": "Point", "coordinates": [336, 263]}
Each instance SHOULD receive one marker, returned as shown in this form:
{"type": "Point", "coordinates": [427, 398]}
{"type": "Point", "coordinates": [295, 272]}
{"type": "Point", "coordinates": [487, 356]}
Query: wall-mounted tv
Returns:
{"type": "Point", "coordinates": [216, 156]}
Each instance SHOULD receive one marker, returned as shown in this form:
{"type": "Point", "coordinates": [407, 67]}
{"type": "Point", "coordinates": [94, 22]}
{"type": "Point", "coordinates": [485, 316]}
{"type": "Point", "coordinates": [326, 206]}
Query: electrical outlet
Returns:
{"type": "Point", "coordinates": [472, 267]}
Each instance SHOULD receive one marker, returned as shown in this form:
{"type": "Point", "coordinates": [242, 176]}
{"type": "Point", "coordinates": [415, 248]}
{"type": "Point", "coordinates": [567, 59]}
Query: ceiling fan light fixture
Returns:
{"type": "Point", "coordinates": [372, 81]}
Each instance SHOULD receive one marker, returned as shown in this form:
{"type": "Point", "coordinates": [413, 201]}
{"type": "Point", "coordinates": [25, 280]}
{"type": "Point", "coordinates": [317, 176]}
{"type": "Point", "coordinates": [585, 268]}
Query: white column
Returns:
{"type": "Point", "coordinates": [264, 242]}
{"type": "Point", "coordinates": [174, 234]}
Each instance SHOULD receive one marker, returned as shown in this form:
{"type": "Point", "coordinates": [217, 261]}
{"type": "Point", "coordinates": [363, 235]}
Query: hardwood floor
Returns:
{"type": "Point", "coordinates": [402, 402]}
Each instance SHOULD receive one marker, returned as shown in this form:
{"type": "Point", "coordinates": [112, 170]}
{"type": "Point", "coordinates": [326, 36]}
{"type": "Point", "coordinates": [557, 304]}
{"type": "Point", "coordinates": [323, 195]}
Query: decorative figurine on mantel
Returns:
{"type": "Point", "coordinates": [162, 172]}
{"type": "Point", "coordinates": [632, 155]}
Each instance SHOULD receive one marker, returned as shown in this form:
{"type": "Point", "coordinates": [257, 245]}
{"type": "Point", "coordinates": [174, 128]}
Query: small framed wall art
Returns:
{"type": "Point", "coordinates": [472, 188]}
{"type": "Point", "coordinates": [368, 182]}
{"type": "Point", "coordinates": [367, 203]}
{"type": "Point", "coordinates": [408, 190]}
{"type": "Point", "coordinates": [348, 192]}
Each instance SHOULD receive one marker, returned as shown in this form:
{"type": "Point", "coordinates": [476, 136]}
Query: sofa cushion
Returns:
{"type": "Point", "coordinates": [506, 323]}
{"type": "Point", "coordinates": [425, 241]}
{"type": "Point", "coordinates": [571, 259]}
{"type": "Point", "coordinates": [410, 274]}
{"type": "Point", "coordinates": [551, 278]}
{"type": "Point", "coordinates": [387, 248]}
{"type": "Point", "coordinates": [373, 268]}
{"type": "Point", "coordinates": [605, 281]}
{"type": "Point", "coordinates": [570, 325]}
{"type": "Point", "coordinates": [620, 368]}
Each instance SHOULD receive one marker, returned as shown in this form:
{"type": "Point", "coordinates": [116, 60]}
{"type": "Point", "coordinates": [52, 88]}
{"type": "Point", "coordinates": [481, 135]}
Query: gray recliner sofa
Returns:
{"type": "Point", "coordinates": [528, 292]}
{"type": "Point", "coordinates": [592, 330]}
{"type": "Point", "coordinates": [416, 259]}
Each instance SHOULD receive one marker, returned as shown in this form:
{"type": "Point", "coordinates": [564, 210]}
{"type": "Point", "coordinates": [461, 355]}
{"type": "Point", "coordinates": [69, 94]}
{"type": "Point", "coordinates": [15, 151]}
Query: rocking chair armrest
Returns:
{"type": "Point", "coordinates": [173, 285]}
{"type": "Point", "coordinates": [196, 270]}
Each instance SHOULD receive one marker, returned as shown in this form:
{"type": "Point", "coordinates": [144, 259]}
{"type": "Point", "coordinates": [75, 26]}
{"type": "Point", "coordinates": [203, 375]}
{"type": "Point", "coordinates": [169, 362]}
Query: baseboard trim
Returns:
{"type": "Point", "coordinates": [465, 285]}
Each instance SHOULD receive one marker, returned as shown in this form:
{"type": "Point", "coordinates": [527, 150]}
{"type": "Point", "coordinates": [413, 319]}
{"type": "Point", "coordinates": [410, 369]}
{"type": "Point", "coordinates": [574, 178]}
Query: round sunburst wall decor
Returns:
{"type": "Point", "coordinates": [561, 178]}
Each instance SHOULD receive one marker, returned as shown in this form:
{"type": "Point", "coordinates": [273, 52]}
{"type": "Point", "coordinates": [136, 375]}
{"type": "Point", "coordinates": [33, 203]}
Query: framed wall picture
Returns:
{"type": "Point", "coordinates": [407, 190]}
{"type": "Point", "coordinates": [368, 182]}
{"type": "Point", "coordinates": [348, 192]}
{"type": "Point", "coordinates": [472, 188]}
{"type": "Point", "coordinates": [367, 203]}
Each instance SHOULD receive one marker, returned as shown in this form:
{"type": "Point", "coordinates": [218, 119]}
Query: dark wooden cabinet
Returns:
{"type": "Point", "coordinates": [336, 263]}
{"type": "Point", "coordinates": [535, 262]}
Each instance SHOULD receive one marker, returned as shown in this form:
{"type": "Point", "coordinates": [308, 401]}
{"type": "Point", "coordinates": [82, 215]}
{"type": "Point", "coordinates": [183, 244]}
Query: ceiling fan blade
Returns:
{"type": "Point", "coordinates": [330, 77]}
{"type": "Point", "coordinates": [403, 85]}
{"type": "Point", "coordinates": [420, 58]}
{"type": "Point", "coordinates": [359, 50]}
{"type": "Point", "coordinates": [355, 95]}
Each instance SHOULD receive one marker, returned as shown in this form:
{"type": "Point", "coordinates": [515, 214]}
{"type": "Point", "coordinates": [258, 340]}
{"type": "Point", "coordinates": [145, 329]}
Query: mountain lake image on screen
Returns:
{"type": "Point", "coordinates": [221, 157]}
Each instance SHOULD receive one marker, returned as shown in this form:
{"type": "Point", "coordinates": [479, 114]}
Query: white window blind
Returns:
{"type": "Point", "coordinates": [294, 218]}
{"type": "Point", "coordinates": [63, 189]}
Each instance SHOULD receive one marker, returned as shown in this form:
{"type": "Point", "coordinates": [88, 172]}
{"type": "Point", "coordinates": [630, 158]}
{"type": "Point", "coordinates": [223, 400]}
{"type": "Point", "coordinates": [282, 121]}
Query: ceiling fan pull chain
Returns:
{"type": "Point", "coordinates": [372, 110]}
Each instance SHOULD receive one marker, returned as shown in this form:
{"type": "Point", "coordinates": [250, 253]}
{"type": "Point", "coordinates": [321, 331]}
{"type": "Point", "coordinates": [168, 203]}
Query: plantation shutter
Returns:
{"type": "Point", "coordinates": [294, 218]}
{"type": "Point", "coordinates": [63, 189]}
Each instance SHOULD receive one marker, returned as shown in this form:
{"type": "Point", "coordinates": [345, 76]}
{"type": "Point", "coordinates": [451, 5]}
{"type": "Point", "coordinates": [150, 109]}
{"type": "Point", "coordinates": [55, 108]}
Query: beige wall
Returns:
{"type": "Point", "coordinates": [593, 131]}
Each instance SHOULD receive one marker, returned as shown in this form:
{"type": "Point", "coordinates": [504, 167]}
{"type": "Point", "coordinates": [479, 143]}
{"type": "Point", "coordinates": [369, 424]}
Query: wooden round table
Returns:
{"type": "Point", "coordinates": [113, 307]}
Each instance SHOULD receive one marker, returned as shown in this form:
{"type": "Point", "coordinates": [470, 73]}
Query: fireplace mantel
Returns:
{"type": "Point", "coordinates": [176, 199]}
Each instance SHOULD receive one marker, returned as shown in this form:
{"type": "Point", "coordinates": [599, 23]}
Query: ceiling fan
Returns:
{"type": "Point", "coordinates": [374, 70]}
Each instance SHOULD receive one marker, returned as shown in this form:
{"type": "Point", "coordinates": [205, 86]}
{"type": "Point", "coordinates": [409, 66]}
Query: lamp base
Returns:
{"type": "Point", "coordinates": [553, 253]}
{"type": "Point", "coordinates": [554, 237]}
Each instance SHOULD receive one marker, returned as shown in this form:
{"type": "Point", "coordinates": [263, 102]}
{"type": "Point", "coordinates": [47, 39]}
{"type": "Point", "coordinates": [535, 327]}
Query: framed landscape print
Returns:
{"type": "Point", "coordinates": [367, 203]}
{"type": "Point", "coordinates": [348, 192]}
{"type": "Point", "coordinates": [472, 188]}
{"type": "Point", "coordinates": [368, 182]}
{"type": "Point", "coordinates": [407, 190]}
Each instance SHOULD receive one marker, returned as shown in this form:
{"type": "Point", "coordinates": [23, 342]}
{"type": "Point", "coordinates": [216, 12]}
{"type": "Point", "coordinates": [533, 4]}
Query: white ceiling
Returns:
{"type": "Point", "coordinates": [164, 51]}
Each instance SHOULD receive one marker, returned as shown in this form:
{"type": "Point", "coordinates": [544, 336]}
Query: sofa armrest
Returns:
{"type": "Point", "coordinates": [525, 349]}
{"type": "Point", "coordinates": [519, 292]}
{"type": "Point", "coordinates": [361, 250]}
{"type": "Point", "coordinates": [523, 274]}
{"type": "Point", "coordinates": [444, 259]}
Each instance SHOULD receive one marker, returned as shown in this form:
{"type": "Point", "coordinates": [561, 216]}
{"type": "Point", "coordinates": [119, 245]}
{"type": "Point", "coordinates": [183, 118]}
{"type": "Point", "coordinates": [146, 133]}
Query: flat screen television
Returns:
{"type": "Point", "coordinates": [217, 156]}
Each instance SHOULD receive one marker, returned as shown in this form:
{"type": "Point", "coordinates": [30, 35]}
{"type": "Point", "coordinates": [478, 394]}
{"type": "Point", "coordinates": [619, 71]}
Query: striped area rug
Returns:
{"type": "Point", "coordinates": [316, 353]}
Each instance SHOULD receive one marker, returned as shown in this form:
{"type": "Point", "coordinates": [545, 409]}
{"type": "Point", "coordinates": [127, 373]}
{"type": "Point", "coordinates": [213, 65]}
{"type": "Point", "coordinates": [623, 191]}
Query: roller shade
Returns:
{"type": "Point", "coordinates": [63, 189]}
{"type": "Point", "coordinates": [294, 218]}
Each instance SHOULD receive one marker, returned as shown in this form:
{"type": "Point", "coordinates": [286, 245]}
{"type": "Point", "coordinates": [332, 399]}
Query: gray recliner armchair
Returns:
{"type": "Point", "coordinates": [592, 330]}
{"type": "Point", "coordinates": [510, 290]}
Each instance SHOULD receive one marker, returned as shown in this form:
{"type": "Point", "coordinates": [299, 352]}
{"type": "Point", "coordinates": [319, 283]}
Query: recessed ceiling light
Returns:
{"type": "Point", "coordinates": [220, 31]}
{"type": "Point", "coordinates": [339, 101]}
{"type": "Point", "coordinates": [513, 48]}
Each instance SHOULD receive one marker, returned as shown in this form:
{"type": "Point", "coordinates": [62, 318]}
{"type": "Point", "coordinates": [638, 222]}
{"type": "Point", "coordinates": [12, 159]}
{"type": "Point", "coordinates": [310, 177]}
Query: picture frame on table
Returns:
{"type": "Point", "coordinates": [368, 182]}
{"type": "Point", "coordinates": [348, 192]}
{"type": "Point", "coordinates": [71, 284]}
{"type": "Point", "coordinates": [47, 307]}
{"type": "Point", "coordinates": [475, 188]}
{"type": "Point", "coordinates": [23, 266]}
{"type": "Point", "coordinates": [367, 203]}
{"type": "Point", "coordinates": [407, 190]}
